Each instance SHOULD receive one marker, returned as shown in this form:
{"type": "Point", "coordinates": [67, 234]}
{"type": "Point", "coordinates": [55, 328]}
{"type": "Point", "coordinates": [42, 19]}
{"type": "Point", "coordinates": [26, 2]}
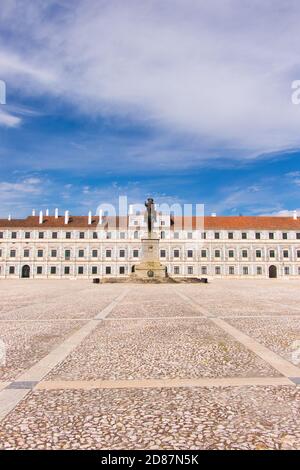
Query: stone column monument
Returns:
{"type": "Point", "coordinates": [150, 266]}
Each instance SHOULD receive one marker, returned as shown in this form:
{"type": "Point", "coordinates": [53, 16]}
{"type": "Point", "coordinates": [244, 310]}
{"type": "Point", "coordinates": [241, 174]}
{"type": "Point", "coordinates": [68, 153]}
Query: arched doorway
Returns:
{"type": "Point", "coordinates": [272, 272]}
{"type": "Point", "coordinates": [26, 271]}
{"type": "Point", "coordinates": [133, 268]}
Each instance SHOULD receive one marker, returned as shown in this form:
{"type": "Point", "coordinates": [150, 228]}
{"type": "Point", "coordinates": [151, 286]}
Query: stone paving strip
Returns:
{"type": "Point", "coordinates": [161, 383]}
{"type": "Point", "coordinates": [277, 362]}
{"type": "Point", "coordinates": [10, 397]}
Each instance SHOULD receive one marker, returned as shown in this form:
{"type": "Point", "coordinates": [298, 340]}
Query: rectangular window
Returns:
{"type": "Point", "coordinates": [286, 270]}
{"type": "Point", "coordinates": [135, 253]}
{"type": "Point", "coordinates": [245, 271]}
{"type": "Point", "coordinates": [81, 254]}
{"type": "Point", "coordinates": [203, 235]}
{"type": "Point", "coordinates": [67, 254]}
{"type": "Point", "coordinates": [272, 254]}
{"type": "Point", "coordinates": [13, 234]}
{"type": "Point", "coordinates": [244, 236]}
{"type": "Point", "coordinates": [217, 235]}
{"type": "Point", "coordinates": [258, 253]}
{"type": "Point", "coordinates": [27, 234]}
{"type": "Point", "coordinates": [298, 253]}
{"type": "Point", "coordinates": [1, 234]}
{"type": "Point", "coordinates": [203, 253]}
{"type": "Point", "coordinates": [190, 253]}
{"type": "Point", "coordinates": [231, 254]}
{"type": "Point", "coordinates": [39, 270]}
{"type": "Point", "coordinates": [122, 254]}
{"type": "Point", "coordinates": [298, 236]}
{"type": "Point", "coordinates": [67, 270]}
{"type": "Point", "coordinates": [68, 235]}
{"type": "Point", "coordinates": [12, 253]}
{"type": "Point", "coordinates": [95, 235]}
{"type": "Point", "coordinates": [54, 234]}
{"type": "Point", "coordinates": [80, 269]}
{"type": "Point", "coordinates": [11, 270]}
{"type": "Point", "coordinates": [204, 270]}
{"type": "Point", "coordinates": [176, 253]}
{"type": "Point", "coordinates": [94, 270]}
{"type": "Point", "coordinates": [231, 270]}
{"type": "Point", "coordinates": [53, 270]}
{"type": "Point", "coordinates": [26, 253]}
{"type": "Point", "coordinates": [217, 270]}
{"type": "Point", "coordinates": [259, 270]}
{"type": "Point", "coordinates": [108, 235]}
{"type": "Point", "coordinates": [285, 253]}
{"type": "Point", "coordinates": [122, 270]}
{"type": "Point", "coordinates": [94, 253]}
{"type": "Point", "coordinates": [271, 236]}
{"type": "Point", "coordinates": [41, 235]}
{"type": "Point", "coordinates": [190, 235]}
{"type": "Point", "coordinates": [299, 271]}
{"type": "Point", "coordinates": [257, 236]}
{"type": "Point", "coordinates": [81, 234]}
{"type": "Point", "coordinates": [245, 254]}
{"type": "Point", "coordinates": [176, 269]}
{"type": "Point", "coordinates": [40, 253]}
{"type": "Point", "coordinates": [53, 253]}
{"type": "Point", "coordinates": [176, 235]}
{"type": "Point", "coordinates": [190, 270]}
{"type": "Point", "coordinates": [108, 253]}
{"type": "Point", "coordinates": [122, 235]}
{"type": "Point", "coordinates": [162, 253]}
{"type": "Point", "coordinates": [230, 235]}
{"type": "Point", "coordinates": [217, 253]}
{"type": "Point", "coordinates": [284, 236]}
{"type": "Point", "coordinates": [107, 270]}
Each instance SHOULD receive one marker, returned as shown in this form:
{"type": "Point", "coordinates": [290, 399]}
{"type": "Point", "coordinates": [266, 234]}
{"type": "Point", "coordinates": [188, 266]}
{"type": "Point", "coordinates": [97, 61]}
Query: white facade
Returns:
{"type": "Point", "coordinates": [65, 251]}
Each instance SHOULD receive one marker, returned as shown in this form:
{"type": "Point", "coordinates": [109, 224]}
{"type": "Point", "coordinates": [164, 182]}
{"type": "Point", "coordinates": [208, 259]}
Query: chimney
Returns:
{"type": "Point", "coordinates": [56, 213]}
{"type": "Point", "coordinates": [9, 217]}
{"type": "Point", "coordinates": [66, 217]}
{"type": "Point", "coordinates": [47, 212]}
{"type": "Point", "coordinates": [41, 217]}
{"type": "Point", "coordinates": [33, 212]}
{"type": "Point", "coordinates": [295, 215]}
{"type": "Point", "coordinates": [90, 218]}
{"type": "Point", "coordinates": [214, 214]}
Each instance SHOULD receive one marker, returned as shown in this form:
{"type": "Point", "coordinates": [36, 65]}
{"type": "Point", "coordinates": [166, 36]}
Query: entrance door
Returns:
{"type": "Point", "coordinates": [272, 272]}
{"type": "Point", "coordinates": [26, 271]}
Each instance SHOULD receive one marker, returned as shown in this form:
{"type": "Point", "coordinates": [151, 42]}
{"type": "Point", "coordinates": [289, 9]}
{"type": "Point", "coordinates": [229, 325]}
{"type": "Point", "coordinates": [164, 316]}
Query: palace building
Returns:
{"type": "Point", "coordinates": [65, 246]}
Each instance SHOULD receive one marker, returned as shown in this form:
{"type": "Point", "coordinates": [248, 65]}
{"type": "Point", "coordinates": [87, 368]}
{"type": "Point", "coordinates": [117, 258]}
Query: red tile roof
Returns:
{"type": "Point", "coordinates": [210, 223]}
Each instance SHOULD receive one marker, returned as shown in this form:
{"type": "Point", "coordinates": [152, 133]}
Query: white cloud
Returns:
{"type": "Point", "coordinates": [9, 120]}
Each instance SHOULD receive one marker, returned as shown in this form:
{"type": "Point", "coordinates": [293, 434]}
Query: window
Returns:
{"type": "Point", "coordinates": [272, 254]}
{"type": "Point", "coordinates": [230, 235]}
{"type": "Point", "coordinates": [1, 234]}
{"type": "Point", "coordinates": [162, 235]}
{"type": "Point", "coordinates": [190, 253]}
{"type": "Point", "coordinates": [80, 253]}
{"type": "Point", "coordinates": [108, 253]}
{"type": "Point", "coordinates": [176, 235]}
{"type": "Point", "coordinates": [286, 271]}
{"type": "Point", "coordinates": [298, 236]}
{"type": "Point", "coordinates": [80, 270]}
{"type": "Point", "coordinates": [53, 270]}
{"type": "Point", "coordinates": [41, 235]}
{"type": "Point", "coordinates": [162, 253]}
{"type": "Point", "coordinates": [284, 236]}
{"type": "Point", "coordinates": [176, 253]}
{"type": "Point", "coordinates": [40, 253]}
{"type": "Point", "coordinates": [81, 235]}
{"type": "Point", "coordinates": [94, 270]}
{"type": "Point", "coordinates": [190, 235]}
{"type": "Point", "coordinates": [298, 253]}
{"type": "Point", "coordinates": [285, 253]}
{"type": "Point", "coordinates": [53, 253]}
{"type": "Point", "coordinates": [67, 254]}
{"type": "Point", "coordinates": [299, 271]}
{"type": "Point", "coordinates": [271, 236]}
{"type": "Point", "coordinates": [26, 253]}
{"type": "Point", "coordinates": [135, 253]}
{"type": "Point", "coordinates": [190, 270]}
{"type": "Point", "coordinates": [203, 235]}
{"type": "Point", "coordinates": [13, 234]}
{"type": "Point", "coordinates": [95, 235]}
{"type": "Point", "coordinates": [217, 270]}
{"type": "Point", "coordinates": [231, 254]}
{"type": "Point", "coordinates": [231, 270]}
{"type": "Point", "coordinates": [27, 234]}
{"type": "Point", "coordinates": [203, 254]}
{"type": "Point", "coordinates": [67, 270]}
{"type": "Point", "coordinates": [244, 253]}
{"type": "Point", "coordinates": [162, 222]}
{"type": "Point", "coordinates": [122, 235]}
{"type": "Point", "coordinates": [12, 253]}
{"type": "Point", "coordinates": [257, 236]}
{"type": "Point", "coordinates": [94, 253]}
{"type": "Point", "coordinates": [217, 253]}
{"type": "Point", "coordinates": [0, 253]}
{"type": "Point", "coordinates": [136, 234]}
{"type": "Point", "coordinates": [244, 236]}
{"type": "Point", "coordinates": [259, 270]}
{"type": "Point", "coordinates": [108, 235]}
{"type": "Point", "coordinates": [39, 270]}
{"type": "Point", "coordinates": [122, 270]}
{"type": "Point", "coordinates": [176, 269]}
{"type": "Point", "coordinates": [54, 234]}
{"type": "Point", "coordinates": [68, 235]}
{"type": "Point", "coordinates": [122, 254]}
{"type": "Point", "coordinates": [217, 235]}
{"type": "Point", "coordinates": [245, 271]}
{"type": "Point", "coordinates": [108, 270]}
{"type": "Point", "coordinates": [258, 253]}
{"type": "Point", "coordinates": [204, 270]}
{"type": "Point", "coordinates": [11, 270]}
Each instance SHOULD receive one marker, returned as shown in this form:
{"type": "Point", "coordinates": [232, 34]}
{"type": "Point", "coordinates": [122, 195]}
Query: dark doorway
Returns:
{"type": "Point", "coordinates": [26, 271]}
{"type": "Point", "coordinates": [133, 269]}
{"type": "Point", "coordinates": [272, 272]}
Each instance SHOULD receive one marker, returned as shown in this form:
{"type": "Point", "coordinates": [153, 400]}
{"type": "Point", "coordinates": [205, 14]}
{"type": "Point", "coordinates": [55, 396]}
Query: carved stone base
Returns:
{"type": "Point", "coordinates": [150, 270]}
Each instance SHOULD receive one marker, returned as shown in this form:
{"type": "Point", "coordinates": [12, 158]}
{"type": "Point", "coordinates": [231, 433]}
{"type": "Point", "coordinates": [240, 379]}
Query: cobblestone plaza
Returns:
{"type": "Point", "coordinates": [134, 366]}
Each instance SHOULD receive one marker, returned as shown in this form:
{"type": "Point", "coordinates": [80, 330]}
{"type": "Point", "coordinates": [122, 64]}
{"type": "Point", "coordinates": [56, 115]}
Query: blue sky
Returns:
{"type": "Point", "coordinates": [184, 100]}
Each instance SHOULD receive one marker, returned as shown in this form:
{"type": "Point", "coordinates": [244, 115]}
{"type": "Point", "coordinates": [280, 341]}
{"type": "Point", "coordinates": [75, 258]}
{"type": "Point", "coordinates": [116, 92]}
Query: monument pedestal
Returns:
{"type": "Point", "coordinates": [150, 266]}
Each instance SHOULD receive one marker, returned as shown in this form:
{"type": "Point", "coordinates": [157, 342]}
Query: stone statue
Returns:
{"type": "Point", "coordinates": [151, 215]}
